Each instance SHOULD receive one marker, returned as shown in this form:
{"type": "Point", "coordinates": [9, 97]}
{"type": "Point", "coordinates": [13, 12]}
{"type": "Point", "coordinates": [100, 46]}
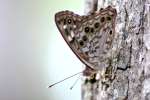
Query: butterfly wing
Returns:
{"type": "Point", "coordinates": [95, 36]}
{"type": "Point", "coordinates": [68, 24]}
{"type": "Point", "coordinates": [89, 37]}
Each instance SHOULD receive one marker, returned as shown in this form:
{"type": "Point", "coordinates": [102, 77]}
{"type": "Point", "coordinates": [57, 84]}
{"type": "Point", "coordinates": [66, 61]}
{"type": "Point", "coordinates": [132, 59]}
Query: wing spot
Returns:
{"type": "Point", "coordinates": [96, 25]}
{"type": "Point", "coordinates": [64, 21]}
{"type": "Point", "coordinates": [81, 43]}
{"type": "Point", "coordinates": [108, 18]}
{"type": "Point", "coordinates": [92, 30]}
{"type": "Point", "coordinates": [67, 32]}
{"type": "Point", "coordinates": [102, 19]}
{"type": "Point", "coordinates": [84, 38]}
{"type": "Point", "coordinates": [86, 29]}
{"type": "Point", "coordinates": [69, 21]}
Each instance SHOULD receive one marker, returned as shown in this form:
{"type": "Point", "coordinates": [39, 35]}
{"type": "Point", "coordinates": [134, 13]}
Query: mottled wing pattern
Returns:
{"type": "Point", "coordinates": [90, 37]}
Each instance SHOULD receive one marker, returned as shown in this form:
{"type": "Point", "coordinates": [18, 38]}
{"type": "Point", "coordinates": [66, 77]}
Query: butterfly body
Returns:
{"type": "Point", "coordinates": [90, 37]}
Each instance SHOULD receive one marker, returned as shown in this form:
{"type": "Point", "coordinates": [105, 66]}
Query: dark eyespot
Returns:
{"type": "Point", "coordinates": [109, 18]}
{"type": "Point", "coordinates": [74, 22]}
{"type": "Point", "coordinates": [70, 28]}
{"type": "Point", "coordinates": [96, 25]}
{"type": "Point", "coordinates": [81, 43]}
{"type": "Point", "coordinates": [64, 21]}
{"type": "Point", "coordinates": [59, 21]}
{"type": "Point", "coordinates": [92, 30]}
{"type": "Point", "coordinates": [69, 21]}
{"type": "Point", "coordinates": [102, 19]}
{"type": "Point", "coordinates": [110, 32]}
{"type": "Point", "coordinates": [66, 32]}
{"type": "Point", "coordinates": [86, 29]}
{"type": "Point", "coordinates": [84, 38]}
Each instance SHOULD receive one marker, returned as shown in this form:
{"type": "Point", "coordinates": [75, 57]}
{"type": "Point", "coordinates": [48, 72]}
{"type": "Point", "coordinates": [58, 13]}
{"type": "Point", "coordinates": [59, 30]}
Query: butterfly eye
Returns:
{"type": "Point", "coordinates": [81, 43]}
{"type": "Point", "coordinates": [69, 21]}
{"type": "Point", "coordinates": [96, 25]}
{"type": "Point", "coordinates": [108, 18]}
{"type": "Point", "coordinates": [84, 38]}
{"type": "Point", "coordinates": [102, 19]}
{"type": "Point", "coordinates": [86, 29]}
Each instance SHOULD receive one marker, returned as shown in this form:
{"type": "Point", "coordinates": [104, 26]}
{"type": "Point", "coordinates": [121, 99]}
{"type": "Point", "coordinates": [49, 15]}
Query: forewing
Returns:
{"type": "Point", "coordinates": [68, 24]}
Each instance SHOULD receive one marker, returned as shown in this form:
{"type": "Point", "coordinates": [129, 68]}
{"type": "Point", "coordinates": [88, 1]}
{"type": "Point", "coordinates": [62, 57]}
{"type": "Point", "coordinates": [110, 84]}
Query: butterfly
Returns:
{"type": "Point", "coordinates": [90, 37]}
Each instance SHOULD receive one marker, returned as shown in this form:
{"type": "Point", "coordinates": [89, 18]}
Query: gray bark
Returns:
{"type": "Point", "coordinates": [132, 78]}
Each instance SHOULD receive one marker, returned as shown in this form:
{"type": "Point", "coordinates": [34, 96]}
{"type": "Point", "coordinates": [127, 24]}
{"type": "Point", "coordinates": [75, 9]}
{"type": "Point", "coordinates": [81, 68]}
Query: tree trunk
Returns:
{"type": "Point", "coordinates": [132, 77]}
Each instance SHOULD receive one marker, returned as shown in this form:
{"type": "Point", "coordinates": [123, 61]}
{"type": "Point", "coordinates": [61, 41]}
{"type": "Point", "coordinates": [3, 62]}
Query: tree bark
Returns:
{"type": "Point", "coordinates": [132, 77]}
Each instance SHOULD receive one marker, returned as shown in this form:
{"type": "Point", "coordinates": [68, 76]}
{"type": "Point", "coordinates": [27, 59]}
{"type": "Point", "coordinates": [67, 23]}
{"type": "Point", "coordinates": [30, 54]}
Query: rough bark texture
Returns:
{"type": "Point", "coordinates": [132, 80]}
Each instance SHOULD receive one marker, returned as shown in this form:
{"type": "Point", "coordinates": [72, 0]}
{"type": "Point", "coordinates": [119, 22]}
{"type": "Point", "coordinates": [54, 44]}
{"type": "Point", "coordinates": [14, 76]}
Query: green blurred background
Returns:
{"type": "Point", "coordinates": [33, 54]}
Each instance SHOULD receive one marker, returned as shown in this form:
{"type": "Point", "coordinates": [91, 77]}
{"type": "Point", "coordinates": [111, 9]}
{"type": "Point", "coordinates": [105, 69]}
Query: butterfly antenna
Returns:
{"type": "Point", "coordinates": [64, 79]}
{"type": "Point", "coordinates": [75, 83]}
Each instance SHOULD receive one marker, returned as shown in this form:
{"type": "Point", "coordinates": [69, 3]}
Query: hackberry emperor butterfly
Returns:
{"type": "Point", "coordinates": [90, 37]}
